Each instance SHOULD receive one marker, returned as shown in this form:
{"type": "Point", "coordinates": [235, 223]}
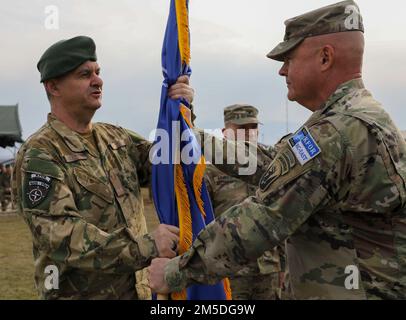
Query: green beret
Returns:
{"type": "Point", "coordinates": [65, 56]}
{"type": "Point", "coordinates": [339, 17]}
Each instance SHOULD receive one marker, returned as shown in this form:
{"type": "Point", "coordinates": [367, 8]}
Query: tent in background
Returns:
{"type": "Point", "coordinates": [10, 127]}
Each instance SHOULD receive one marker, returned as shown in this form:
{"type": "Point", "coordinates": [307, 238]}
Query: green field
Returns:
{"type": "Point", "coordinates": [16, 262]}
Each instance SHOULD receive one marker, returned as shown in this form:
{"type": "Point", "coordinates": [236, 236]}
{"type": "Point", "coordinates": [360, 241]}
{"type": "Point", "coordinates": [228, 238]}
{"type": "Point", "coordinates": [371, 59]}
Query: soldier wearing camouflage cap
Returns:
{"type": "Point", "coordinates": [240, 114]}
{"type": "Point", "coordinates": [336, 18]}
{"type": "Point", "coordinates": [262, 280]}
{"type": "Point", "coordinates": [336, 188]}
{"type": "Point", "coordinates": [77, 186]}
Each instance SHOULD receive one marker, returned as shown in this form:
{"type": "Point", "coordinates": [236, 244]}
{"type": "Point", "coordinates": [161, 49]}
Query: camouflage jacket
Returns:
{"type": "Point", "coordinates": [226, 191]}
{"type": "Point", "coordinates": [343, 209]}
{"type": "Point", "coordinates": [85, 210]}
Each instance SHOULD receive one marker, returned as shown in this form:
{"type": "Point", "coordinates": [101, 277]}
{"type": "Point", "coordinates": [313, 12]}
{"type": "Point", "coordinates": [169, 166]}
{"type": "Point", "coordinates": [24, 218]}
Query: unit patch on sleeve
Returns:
{"type": "Point", "coordinates": [283, 163]}
{"type": "Point", "coordinates": [38, 187]}
{"type": "Point", "coordinates": [304, 146]}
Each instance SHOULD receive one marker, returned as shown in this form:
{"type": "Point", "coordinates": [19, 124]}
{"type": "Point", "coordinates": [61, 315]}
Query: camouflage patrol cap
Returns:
{"type": "Point", "coordinates": [240, 114]}
{"type": "Point", "coordinates": [65, 56]}
{"type": "Point", "coordinates": [340, 17]}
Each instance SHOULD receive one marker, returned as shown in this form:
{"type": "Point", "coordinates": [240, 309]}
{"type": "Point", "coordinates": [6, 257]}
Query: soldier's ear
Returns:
{"type": "Point", "coordinates": [51, 87]}
{"type": "Point", "coordinates": [327, 57]}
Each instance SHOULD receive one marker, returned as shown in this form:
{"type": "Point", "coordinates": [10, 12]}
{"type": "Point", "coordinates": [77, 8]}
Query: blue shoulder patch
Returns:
{"type": "Point", "coordinates": [304, 146]}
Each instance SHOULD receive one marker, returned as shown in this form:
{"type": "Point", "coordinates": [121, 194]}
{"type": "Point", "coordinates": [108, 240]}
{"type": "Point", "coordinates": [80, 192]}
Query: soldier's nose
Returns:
{"type": "Point", "coordinates": [283, 70]}
{"type": "Point", "coordinates": [97, 81]}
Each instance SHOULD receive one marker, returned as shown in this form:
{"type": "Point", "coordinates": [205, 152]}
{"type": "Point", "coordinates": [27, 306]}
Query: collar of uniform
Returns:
{"type": "Point", "coordinates": [72, 139]}
{"type": "Point", "coordinates": [342, 90]}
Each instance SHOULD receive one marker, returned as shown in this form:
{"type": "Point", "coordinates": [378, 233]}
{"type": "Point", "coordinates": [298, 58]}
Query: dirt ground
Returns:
{"type": "Point", "coordinates": [16, 262]}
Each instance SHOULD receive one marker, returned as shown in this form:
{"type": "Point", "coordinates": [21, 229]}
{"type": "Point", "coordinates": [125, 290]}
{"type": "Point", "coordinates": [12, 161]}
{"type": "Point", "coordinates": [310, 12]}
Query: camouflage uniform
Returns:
{"type": "Point", "coordinates": [256, 284]}
{"type": "Point", "coordinates": [346, 206]}
{"type": "Point", "coordinates": [80, 197]}
{"type": "Point", "coordinates": [260, 281]}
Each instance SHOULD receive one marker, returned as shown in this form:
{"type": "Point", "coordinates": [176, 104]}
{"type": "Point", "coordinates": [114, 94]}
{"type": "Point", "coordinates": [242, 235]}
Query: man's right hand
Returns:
{"type": "Point", "coordinates": [166, 240]}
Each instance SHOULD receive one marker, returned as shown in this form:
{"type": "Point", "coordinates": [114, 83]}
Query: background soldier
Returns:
{"type": "Point", "coordinates": [336, 188]}
{"type": "Point", "coordinates": [241, 121]}
{"type": "Point", "coordinates": [5, 186]}
{"type": "Point", "coordinates": [77, 185]}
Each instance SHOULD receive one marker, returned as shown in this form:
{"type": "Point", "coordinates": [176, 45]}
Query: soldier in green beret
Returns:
{"type": "Point", "coordinates": [262, 280]}
{"type": "Point", "coordinates": [77, 186]}
{"type": "Point", "coordinates": [335, 189]}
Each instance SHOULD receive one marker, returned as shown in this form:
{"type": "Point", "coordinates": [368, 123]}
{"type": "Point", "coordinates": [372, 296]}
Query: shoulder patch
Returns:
{"type": "Point", "coordinates": [37, 189]}
{"type": "Point", "coordinates": [282, 164]}
{"type": "Point", "coordinates": [304, 146]}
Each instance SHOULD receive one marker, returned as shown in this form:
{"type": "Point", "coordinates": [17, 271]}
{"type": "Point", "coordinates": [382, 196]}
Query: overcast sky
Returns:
{"type": "Point", "coordinates": [230, 39]}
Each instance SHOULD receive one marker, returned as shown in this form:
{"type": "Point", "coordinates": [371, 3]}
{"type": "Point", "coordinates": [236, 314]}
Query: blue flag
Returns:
{"type": "Point", "coordinates": [178, 187]}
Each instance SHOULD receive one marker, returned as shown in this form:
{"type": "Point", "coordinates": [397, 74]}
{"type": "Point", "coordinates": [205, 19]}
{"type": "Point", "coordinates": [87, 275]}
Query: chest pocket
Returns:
{"type": "Point", "coordinates": [124, 170]}
{"type": "Point", "coordinates": [93, 198]}
{"type": "Point", "coordinates": [93, 185]}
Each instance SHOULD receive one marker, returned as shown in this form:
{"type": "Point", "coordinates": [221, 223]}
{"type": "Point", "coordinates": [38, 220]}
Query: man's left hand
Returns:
{"type": "Point", "coordinates": [157, 281]}
{"type": "Point", "coordinates": [182, 89]}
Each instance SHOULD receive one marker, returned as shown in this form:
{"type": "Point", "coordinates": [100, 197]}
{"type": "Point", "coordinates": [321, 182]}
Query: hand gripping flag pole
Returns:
{"type": "Point", "coordinates": [178, 188]}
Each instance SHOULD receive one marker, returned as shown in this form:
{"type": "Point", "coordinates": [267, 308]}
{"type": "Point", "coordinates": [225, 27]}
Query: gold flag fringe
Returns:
{"type": "Point", "coordinates": [185, 220]}
{"type": "Point", "coordinates": [182, 198]}
{"type": "Point", "coordinates": [182, 18]}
